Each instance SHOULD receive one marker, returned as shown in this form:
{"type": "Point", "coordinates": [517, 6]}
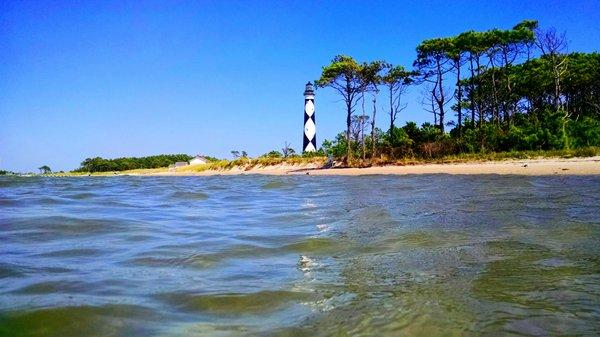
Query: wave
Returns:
{"type": "Point", "coordinates": [189, 195]}
{"type": "Point", "coordinates": [86, 320]}
{"type": "Point", "coordinates": [234, 303]}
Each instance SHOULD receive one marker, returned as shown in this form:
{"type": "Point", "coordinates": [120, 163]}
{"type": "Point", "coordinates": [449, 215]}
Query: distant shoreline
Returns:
{"type": "Point", "coordinates": [530, 167]}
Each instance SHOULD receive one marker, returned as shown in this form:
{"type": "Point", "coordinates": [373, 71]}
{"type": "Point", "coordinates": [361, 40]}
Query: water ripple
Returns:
{"type": "Point", "coordinates": [434, 255]}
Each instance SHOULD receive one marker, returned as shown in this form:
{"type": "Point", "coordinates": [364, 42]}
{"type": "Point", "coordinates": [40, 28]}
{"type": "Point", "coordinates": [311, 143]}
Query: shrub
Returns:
{"type": "Point", "coordinates": [272, 154]}
{"type": "Point", "coordinates": [584, 132]}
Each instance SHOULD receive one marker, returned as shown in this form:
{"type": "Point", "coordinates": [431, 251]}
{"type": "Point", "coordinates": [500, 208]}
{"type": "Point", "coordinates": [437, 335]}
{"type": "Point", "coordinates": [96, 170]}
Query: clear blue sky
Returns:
{"type": "Point", "coordinates": [116, 78]}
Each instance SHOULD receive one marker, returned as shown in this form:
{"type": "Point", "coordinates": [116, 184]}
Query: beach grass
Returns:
{"type": "Point", "coordinates": [250, 163]}
{"type": "Point", "coordinates": [493, 156]}
{"type": "Point", "coordinates": [245, 164]}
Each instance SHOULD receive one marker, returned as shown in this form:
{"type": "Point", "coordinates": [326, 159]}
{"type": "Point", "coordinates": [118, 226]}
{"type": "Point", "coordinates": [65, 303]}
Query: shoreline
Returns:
{"type": "Point", "coordinates": [530, 167]}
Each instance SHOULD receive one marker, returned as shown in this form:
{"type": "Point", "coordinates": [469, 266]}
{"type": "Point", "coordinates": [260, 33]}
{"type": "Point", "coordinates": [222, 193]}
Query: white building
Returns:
{"type": "Point", "coordinates": [198, 160]}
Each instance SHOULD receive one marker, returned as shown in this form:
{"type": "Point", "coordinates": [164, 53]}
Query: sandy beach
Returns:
{"type": "Point", "coordinates": [541, 167]}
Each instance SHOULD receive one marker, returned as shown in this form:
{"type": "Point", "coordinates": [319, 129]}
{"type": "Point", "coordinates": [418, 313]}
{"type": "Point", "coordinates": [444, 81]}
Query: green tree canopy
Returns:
{"type": "Point", "coordinates": [45, 169]}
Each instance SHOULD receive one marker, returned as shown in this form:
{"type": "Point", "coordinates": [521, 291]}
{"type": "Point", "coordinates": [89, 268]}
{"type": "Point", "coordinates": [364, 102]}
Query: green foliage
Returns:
{"type": "Point", "coordinates": [545, 133]}
{"type": "Point", "coordinates": [584, 132]}
{"type": "Point", "coordinates": [506, 98]}
{"type": "Point", "coordinates": [292, 154]}
{"type": "Point", "coordinates": [272, 154]}
{"type": "Point", "coordinates": [99, 164]}
{"type": "Point", "coordinates": [398, 75]}
{"type": "Point", "coordinates": [550, 131]}
{"type": "Point", "coordinates": [239, 154]}
{"type": "Point", "coordinates": [45, 169]}
{"type": "Point", "coordinates": [342, 68]}
{"type": "Point", "coordinates": [287, 151]}
{"type": "Point", "coordinates": [209, 158]}
{"type": "Point", "coordinates": [319, 153]}
{"type": "Point", "coordinates": [351, 80]}
{"type": "Point", "coordinates": [398, 137]}
{"type": "Point", "coordinates": [336, 148]}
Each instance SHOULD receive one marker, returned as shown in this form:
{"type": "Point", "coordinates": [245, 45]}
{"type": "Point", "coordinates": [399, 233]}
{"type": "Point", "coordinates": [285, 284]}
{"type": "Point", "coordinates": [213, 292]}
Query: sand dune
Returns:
{"type": "Point", "coordinates": [572, 166]}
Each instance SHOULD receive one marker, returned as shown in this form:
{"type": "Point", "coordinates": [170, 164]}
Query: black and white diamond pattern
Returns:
{"type": "Point", "coordinates": [310, 129]}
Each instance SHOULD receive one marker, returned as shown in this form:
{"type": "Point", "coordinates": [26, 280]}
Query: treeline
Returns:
{"type": "Point", "coordinates": [497, 90]}
{"type": "Point", "coordinates": [99, 164]}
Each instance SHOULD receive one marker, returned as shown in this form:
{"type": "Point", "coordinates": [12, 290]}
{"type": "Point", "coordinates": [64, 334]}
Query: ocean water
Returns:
{"type": "Point", "coordinates": [430, 255]}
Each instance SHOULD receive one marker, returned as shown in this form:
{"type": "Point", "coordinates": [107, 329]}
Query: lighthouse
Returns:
{"type": "Point", "coordinates": [309, 143]}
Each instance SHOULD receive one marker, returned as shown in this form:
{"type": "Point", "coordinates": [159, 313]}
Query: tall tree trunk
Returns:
{"type": "Point", "coordinates": [348, 121]}
{"type": "Point", "coordinates": [459, 96]}
{"type": "Point", "coordinates": [373, 128]}
{"type": "Point", "coordinates": [392, 114]}
{"type": "Point", "coordinates": [433, 110]}
{"type": "Point", "coordinates": [495, 110]}
{"type": "Point", "coordinates": [556, 73]}
{"type": "Point", "coordinates": [506, 105]}
{"type": "Point", "coordinates": [479, 105]}
{"type": "Point", "coordinates": [362, 127]}
{"type": "Point", "coordinates": [440, 99]}
{"type": "Point", "coordinates": [472, 84]}
{"type": "Point", "coordinates": [348, 138]}
{"type": "Point", "coordinates": [364, 149]}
